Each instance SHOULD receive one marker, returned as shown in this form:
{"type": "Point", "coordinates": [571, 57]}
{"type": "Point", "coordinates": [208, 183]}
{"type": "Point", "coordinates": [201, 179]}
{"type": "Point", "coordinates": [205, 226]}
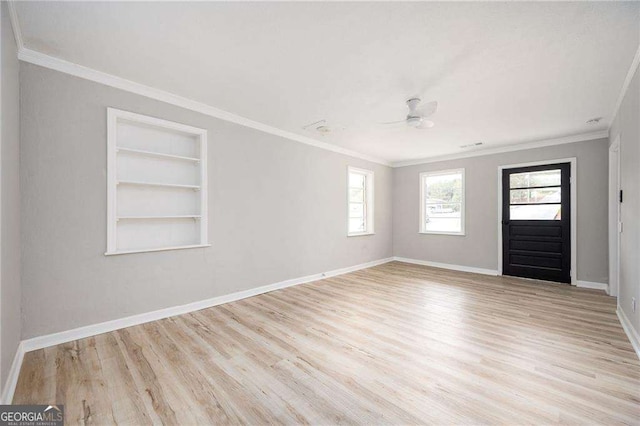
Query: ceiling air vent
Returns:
{"type": "Point", "coordinates": [471, 145]}
{"type": "Point", "coordinates": [320, 127]}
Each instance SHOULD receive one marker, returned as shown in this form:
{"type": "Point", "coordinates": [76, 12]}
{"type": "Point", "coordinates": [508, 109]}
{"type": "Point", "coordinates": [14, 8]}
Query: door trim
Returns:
{"type": "Point", "coordinates": [574, 209]}
{"type": "Point", "coordinates": [614, 223]}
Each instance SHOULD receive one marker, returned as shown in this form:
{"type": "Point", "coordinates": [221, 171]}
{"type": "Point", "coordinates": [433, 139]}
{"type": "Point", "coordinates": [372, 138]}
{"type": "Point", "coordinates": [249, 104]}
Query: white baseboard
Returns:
{"type": "Point", "coordinates": [12, 379]}
{"type": "Point", "coordinates": [105, 327]}
{"type": "Point", "coordinates": [631, 332]}
{"type": "Point", "coordinates": [593, 285]}
{"type": "Point", "coordinates": [447, 266]}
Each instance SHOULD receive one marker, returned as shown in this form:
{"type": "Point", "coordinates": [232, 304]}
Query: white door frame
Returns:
{"type": "Point", "coordinates": [574, 209]}
{"type": "Point", "coordinates": [615, 223]}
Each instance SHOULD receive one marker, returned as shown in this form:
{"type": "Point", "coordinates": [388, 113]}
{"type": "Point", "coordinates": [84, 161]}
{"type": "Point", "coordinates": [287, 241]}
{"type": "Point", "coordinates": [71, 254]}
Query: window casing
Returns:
{"type": "Point", "coordinates": [156, 184]}
{"type": "Point", "coordinates": [442, 202]}
{"type": "Point", "coordinates": [360, 217]}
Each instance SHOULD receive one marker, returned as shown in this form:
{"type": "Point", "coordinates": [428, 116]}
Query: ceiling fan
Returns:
{"type": "Point", "coordinates": [417, 116]}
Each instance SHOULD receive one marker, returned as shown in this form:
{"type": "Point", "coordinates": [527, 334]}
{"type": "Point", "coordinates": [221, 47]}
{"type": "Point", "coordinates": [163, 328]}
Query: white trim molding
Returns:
{"type": "Point", "coordinates": [15, 25]}
{"type": "Point", "coordinates": [37, 58]}
{"type": "Point", "coordinates": [449, 266]}
{"type": "Point", "coordinates": [582, 137]}
{"type": "Point", "coordinates": [631, 332]}
{"type": "Point", "coordinates": [12, 378]}
{"type": "Point", "coordinates": [614, 224]}
{"type": "Point", "coordinates": [105, 327]}
{"type": "Point", "coordinates": [422, 229]}
{"type": "Point", "coordinates": [592, 285]}
{"type": "Point", "coordinates": [369, 202]}
{"type": "Point", "coordinates": [574, 209]}
{"type": "Point", "coordinates": [625, 86]}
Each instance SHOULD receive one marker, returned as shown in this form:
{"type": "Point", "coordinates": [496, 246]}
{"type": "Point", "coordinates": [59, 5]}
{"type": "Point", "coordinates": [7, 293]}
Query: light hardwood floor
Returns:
{"type": "Point", "coordinates": [394, 344]}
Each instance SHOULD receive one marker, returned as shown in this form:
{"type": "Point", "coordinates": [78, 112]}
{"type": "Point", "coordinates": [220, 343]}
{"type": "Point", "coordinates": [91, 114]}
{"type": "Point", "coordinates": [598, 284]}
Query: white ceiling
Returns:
{"type": "Point", "coordinates": [503, 73]}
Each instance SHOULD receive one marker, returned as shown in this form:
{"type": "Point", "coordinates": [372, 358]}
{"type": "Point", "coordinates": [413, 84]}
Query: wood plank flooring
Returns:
{"type": "Point", "coordinates": [394, 344]}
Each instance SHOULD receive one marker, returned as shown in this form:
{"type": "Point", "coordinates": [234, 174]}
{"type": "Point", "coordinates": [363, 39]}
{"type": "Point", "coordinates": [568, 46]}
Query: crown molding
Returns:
{"type": "Point", "coordinates": [40, 59]}
{"type": "Point", "coordinates": [625, 86]}
{"type": "Point", "coordinates": [61, 65]}
{"type": "Point", "coordinates": [582, 137]}
{"type": "Point", "coordinates": [37, 58]}
{"type": "Point", "coordinates": [15, 25]}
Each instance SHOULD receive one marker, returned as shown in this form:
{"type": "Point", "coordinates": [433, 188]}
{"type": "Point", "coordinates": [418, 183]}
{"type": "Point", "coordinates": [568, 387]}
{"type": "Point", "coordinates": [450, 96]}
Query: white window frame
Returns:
{"type": "Point", "coordinates": [113, 117]}
{"type": "Point", "coordinates": [369, 187]}
{"type": "Point", "coordinates": [423, 182]}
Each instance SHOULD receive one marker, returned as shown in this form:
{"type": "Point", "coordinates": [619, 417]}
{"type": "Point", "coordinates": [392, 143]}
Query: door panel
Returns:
{"type": "Point", "coordinates": [544, 246]}
{"type": "Point", "coordinates": [526, 259]}
{"type": "Point", "coordinates": [541, 230]}
{"type": "Point", "coordinates": [536, 226]}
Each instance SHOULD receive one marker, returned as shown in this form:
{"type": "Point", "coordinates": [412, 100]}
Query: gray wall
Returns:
{"type": "Point", "coordinates": [277, 210]}
{"type": "Point", "coordinates": [479, 247]}
{"type": "Point", "coordinates": [255, 241]}
{"type": "Point", "coordinates": [10, 202]}
{"type": "Point", "coordinates": [627, 125]}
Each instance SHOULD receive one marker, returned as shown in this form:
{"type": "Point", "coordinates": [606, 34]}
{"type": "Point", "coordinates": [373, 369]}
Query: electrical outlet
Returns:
{"type": "Point", "coordinates": [633, 304]}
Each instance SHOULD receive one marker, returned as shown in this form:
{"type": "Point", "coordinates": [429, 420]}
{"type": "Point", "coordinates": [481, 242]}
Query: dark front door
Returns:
{"type": "Point", "coordinates": [536, 227]}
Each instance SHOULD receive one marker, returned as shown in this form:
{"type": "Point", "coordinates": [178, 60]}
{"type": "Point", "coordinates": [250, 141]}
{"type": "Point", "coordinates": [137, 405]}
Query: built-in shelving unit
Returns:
{"type": "Point", "coordinates": [157, 184]}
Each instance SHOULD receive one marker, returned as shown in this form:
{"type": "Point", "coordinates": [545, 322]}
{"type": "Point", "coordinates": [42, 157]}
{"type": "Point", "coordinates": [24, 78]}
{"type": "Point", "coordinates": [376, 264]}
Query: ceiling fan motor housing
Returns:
{"type": "Point", "coordinates": [414, 121]}
{"type": "Point", "coordinates": [413, 103]}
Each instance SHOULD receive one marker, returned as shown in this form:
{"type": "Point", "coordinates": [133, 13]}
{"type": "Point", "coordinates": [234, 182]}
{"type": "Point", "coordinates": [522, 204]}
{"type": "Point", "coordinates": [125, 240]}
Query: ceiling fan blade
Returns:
{"type": "Point", "coordinates": [425, 124]}
{"type": "Point", "coordinates": [427, 109]}
{"type": "Point", "coordinates": [395, 122]}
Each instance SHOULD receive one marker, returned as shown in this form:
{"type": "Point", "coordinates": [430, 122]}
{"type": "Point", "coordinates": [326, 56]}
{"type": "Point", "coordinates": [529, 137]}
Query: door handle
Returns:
{"type": "Point", "coordinates": [505, 222]}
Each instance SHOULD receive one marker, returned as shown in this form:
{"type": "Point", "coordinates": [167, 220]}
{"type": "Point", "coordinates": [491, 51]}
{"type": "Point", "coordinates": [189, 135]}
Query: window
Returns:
{"type": "Point", "coordinates": [156, 184]}
{"type": "Point", "coordinates": [442, 202]}
{"type": "Point", "coordinates": [535, 195]}
{"type": "Point", "coordinates": [360, 202]}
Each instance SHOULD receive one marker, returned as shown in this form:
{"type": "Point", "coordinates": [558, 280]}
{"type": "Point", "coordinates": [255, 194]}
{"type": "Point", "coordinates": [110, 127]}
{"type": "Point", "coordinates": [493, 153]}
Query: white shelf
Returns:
{"type": "Point", "coordinates": [165, 185]}
{"type": "Point", "coordinates": [115, 253]}
{"type": "Point", "coordinates": [158, 217]}
{"type": "Point", "coordinates": [157, 154]}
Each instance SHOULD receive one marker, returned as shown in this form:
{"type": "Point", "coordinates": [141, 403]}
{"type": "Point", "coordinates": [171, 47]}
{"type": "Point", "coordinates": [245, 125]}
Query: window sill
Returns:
{"type": "Point", "coordinates": [360, 234]}
{"type": "Point", "coordinates": [457, 234]}
{"type": "Point", "coordinates": [116, 253]}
